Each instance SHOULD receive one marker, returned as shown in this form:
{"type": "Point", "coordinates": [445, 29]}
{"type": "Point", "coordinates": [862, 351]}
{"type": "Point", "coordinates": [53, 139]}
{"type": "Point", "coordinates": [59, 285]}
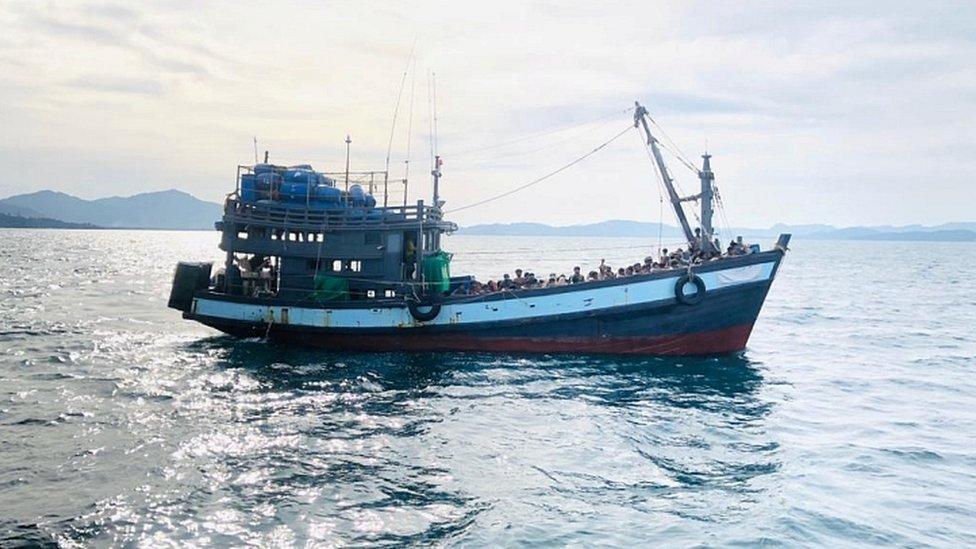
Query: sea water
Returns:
{"type": "Point", "coordinates": [850, 419]}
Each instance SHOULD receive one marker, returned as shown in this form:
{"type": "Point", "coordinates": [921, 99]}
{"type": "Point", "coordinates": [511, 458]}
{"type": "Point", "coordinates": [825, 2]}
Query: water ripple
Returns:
{"type": "Point", "coordinates": [849, 420]}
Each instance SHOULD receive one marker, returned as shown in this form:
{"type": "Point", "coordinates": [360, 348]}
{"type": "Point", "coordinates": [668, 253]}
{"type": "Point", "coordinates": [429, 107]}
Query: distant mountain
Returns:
{"type": "Point", "coordinates": [23, 222]}
{"type": "Point", "coordinates": [619, 227]}
{"type": "Point", "coordinates": [614, 227]}
{"type": "Point", "coordinates": [946, 232]}
{"type": "Point", "coordinates": [158, 210]}
{"type": "Point", "coordinates": [178, 210]}
{"type": "Point", "coordinates": [17, 211]}
{"type": "Point", "coordinates": [925, 235]}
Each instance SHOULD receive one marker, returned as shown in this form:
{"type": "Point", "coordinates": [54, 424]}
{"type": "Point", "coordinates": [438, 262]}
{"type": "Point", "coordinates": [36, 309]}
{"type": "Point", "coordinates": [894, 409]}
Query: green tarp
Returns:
{"type": "Point", "coordinates": [330, 288]}
{"type": "Point", "coordinates": [437, 272]}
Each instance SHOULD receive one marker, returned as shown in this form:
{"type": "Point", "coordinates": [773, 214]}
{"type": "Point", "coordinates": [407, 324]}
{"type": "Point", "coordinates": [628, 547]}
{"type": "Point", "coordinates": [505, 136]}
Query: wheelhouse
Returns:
{"type": "Point", "coordinates": [291, 233]}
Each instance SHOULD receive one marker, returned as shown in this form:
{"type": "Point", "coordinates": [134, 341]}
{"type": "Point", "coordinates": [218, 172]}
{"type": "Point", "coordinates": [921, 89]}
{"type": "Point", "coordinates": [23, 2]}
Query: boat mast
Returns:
{"type": "Point", "coordinates": [436, 173]}
{"type": "Point", "coordinates": [640, 119]}
{"type": "Point", "coordinates": [708, 233]}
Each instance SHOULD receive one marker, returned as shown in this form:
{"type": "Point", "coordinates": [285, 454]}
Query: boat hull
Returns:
{"type": "Point", "coordinates": [641, 316]}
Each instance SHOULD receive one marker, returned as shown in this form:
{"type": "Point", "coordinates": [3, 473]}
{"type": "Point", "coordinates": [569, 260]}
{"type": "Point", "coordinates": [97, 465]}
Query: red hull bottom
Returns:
{"type": "Point", "coordinates": [714, 342]}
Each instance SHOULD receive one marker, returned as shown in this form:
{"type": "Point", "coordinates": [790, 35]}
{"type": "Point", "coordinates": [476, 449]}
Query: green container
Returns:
{"type": "Point", "coordinates": [437, 272]}
{"type": "Point", "coordinates": [330, 288]}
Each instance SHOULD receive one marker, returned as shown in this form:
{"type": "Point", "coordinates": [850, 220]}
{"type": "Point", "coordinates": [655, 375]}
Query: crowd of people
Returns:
{"type": "Point", "coordinates": [679, 258]}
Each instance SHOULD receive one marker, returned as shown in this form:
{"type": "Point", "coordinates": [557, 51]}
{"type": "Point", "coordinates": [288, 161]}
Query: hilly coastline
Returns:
{"type": "Point", "coordinates": [170, 209]}
{"type": "Point", "coordinates": [949, 232]}
{"type": "Point", "coordinates": [178, 210]}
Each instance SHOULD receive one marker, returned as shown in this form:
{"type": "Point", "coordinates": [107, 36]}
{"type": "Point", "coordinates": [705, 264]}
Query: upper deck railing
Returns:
{"type": "Point", "coordinates": [331, 219]}
{"type": "Point", "coordinates": [343, 215]}
{"type": "Point", "coordinates": [387, 191]}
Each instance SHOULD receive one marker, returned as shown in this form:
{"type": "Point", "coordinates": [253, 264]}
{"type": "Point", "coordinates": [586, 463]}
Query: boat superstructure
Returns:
{"type": "Point", "coordinates": [326, 260]}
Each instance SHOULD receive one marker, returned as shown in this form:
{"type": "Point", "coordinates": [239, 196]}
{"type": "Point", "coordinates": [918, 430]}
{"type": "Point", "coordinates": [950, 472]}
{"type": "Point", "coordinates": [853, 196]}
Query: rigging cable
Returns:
{"type": "Point", "coordinates": [660, 220]}
{"type": "Point", "coordinates": [660, 193]}
{"type": "Point", "coordinates": [543, 133]}
{"type": "Point", "coordinates": [430, 116]}
{"type": "Point", "coordinates": [396, 107]}
{"type": "Point", "coordinates": [406, 161]}
{"type": "Point", "coordinates": [544, 177]}
{"type": "Point", "coordinates": [433, 87]}
{"type": "Point", "coordinates": [660, 179]}
{"type": "Point", "coordinates": [585, 129]}
{"type": "Point", "coordinates": [721, 209]}
{"type": "Point", "coordinates": [677, 150]}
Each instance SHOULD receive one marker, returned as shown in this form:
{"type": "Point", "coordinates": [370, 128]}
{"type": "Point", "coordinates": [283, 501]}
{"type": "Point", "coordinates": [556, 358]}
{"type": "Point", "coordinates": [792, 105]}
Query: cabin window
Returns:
{"type": "Point", "coordinates": [242, 235]}
{"type": "Point", "coordinates": [355, 265]}
{"type": "Point", "coordinates": [389, 293]}
{"type": "Point", "coordinates": [371, 294]}
{"type": "Point", "coordinates": [274, 235]}
{"type": "Point", "coordinates": [320, 237]}
{"type": "Point", "coordinates": [293, 236]}
{"type": "Point", "coordinates": [337, 265]}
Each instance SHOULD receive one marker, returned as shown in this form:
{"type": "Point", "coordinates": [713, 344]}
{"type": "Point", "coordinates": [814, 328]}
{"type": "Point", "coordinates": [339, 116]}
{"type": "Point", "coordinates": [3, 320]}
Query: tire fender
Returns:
{"type": "Point", "coordinates": [689, 299]}
{"type": "Point", "coordinates": [423, 316]}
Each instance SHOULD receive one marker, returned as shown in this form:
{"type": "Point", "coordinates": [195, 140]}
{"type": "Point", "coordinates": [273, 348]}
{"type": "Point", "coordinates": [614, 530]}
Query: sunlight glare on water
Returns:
{"type": "Point", "coordinates": [850, 419]}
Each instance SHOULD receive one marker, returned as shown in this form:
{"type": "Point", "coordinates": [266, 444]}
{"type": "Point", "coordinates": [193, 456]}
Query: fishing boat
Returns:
{"type": "Point", "coordinates": [324, 259]}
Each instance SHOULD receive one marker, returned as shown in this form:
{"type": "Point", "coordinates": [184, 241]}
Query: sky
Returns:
{"type": "Point", "coordinates": [843, 113]}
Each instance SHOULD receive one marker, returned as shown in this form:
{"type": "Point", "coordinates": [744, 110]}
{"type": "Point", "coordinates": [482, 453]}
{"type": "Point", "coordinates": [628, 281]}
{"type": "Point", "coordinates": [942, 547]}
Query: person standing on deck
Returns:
{"type": "Point", "coordinates": [409, 256]}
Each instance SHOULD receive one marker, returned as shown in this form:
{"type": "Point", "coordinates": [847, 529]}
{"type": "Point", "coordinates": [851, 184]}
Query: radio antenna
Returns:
{"type": "Point", "coordinates": [396, 108]}
{"type": "Point", "coordinates": [348, 144]}
{"type": "Point", "coordinates": [406, 162]}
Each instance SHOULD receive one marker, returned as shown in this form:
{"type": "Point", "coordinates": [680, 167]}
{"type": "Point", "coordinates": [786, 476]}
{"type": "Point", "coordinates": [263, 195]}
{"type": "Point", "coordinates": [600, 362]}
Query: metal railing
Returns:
{"type": "Point", "coordinates": [298, 217]}
{"type": "Point", "coordinates": [372, 182]}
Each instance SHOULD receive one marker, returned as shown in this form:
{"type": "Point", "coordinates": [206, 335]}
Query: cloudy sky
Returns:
{"type": "Point", "coordinates": [840, 113]}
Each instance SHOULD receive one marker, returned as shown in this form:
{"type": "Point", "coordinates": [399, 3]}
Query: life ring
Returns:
{"type": "Point", "coordinates": [423, 316]}
{"type": "Point", "coordinates": [689, 299]}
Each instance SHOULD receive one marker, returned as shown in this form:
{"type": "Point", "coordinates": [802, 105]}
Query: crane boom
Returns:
{"type": "Point", "coordinates": [640, 119]}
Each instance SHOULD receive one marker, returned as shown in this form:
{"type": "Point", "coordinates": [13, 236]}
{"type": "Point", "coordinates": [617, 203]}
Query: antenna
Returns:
{"type": "Point", "coordinates": [406, 162]}
{"type": "Point", "coordinates": [348, 144]}
{"type": "Point", "coordinates": [435, 169]}
{"type": "Point", "coordinates": [433, 85]}
{"type": "Point", "coordinates": [255, 149]}
{"type": "Point", "coordinates": [396, 111]}
{"type": "Point", "coordinates": [430, 117]}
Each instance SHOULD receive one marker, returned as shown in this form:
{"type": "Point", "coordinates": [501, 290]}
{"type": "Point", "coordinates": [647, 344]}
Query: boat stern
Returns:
{"type": "Point", "coordinates": [188, 279]}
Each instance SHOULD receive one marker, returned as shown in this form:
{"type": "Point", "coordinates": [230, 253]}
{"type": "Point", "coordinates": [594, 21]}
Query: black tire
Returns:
{"type": "Point", "coordinates": [423, 316]}
{"type": "Point", "coordinates": [689, 299]}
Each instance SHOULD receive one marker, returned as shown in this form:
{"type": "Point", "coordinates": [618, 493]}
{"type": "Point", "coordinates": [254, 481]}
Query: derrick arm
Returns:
{"type": "Point", "coordinates": [640, 120]}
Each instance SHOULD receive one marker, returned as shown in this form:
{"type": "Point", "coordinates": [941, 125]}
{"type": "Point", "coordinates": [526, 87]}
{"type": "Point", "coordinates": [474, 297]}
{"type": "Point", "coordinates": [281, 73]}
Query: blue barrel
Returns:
{"type": "Point", "coordinates": [327, 194]}
{"type": "Point", "coordinates": [294, 193]}
{"type": "Point", "coordinates": [249, 188]}
{"type": "Point", "coordinates": [305, 167]}
{"type": "Point", "coordinates": [268, 184]}
{"type": "Point", "coordinates": [264, 168]}
{"type": "Point", "coordinates": [357, 196]}
{"type": "Point", "coordinates": [301, 176]}
{"type": "Point", "coordinates": [370, 201]}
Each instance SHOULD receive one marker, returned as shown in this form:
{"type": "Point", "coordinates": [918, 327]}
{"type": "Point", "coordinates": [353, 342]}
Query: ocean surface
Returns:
{"type": "Point", "coordinates": [849, 421]}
